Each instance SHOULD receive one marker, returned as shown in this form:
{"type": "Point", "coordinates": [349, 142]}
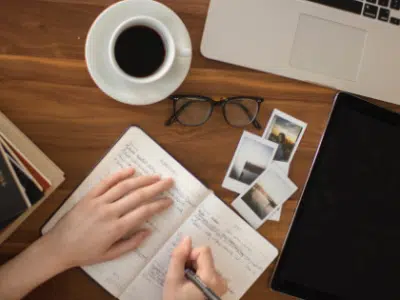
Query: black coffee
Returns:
{"type": "Point", "coordinates": [139, 51]}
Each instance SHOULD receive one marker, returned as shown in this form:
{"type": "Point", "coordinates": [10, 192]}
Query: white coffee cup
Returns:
{"type": "Point", "coordinates": [169, 45]}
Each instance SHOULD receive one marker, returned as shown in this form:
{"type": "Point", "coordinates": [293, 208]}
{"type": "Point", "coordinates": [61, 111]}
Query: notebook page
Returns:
{"type": "Point", "coordinates": [138, 150]}
{"type": "Point", "coordinates": [240, 253]}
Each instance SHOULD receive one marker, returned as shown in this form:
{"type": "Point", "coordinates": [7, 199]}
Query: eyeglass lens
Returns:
{"type": "Point", "coordinates": [192, 111]}
{"type": "Point", "coordinates": [241, 112]}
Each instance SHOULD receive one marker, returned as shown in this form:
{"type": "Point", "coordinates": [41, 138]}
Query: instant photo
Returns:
{"type": "Point", "coordinates": [265, 196]}
{"type": "Point", "coordinates": [286, 132]}
{"type": "Point", "coordinates": [252, 157]}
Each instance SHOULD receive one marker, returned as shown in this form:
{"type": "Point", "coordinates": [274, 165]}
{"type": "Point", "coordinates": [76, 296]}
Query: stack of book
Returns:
{"type": "Point", "coordinates": [27, 177]}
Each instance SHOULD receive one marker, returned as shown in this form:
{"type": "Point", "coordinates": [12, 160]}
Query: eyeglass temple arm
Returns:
{"type": "Point", "coordinates": [176, 114]}
{"type": "Point", "coordinates": [255, 123]}
{"type": "Point", "coordinates": [170, 121]}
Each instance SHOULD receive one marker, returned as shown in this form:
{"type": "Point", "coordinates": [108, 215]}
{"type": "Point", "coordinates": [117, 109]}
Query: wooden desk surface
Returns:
{"type": "Point", "coordinates": [46, 90]}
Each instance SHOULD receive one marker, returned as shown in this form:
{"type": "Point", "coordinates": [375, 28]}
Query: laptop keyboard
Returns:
{"type": "Point", "coordinates": [382, 10]}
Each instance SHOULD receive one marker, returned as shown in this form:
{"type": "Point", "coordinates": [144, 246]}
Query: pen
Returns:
{"type": "Point", "coordinates": [201, 285]}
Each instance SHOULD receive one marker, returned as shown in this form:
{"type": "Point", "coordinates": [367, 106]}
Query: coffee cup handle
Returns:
{"type": "Point", "coordinates": [184, 52]}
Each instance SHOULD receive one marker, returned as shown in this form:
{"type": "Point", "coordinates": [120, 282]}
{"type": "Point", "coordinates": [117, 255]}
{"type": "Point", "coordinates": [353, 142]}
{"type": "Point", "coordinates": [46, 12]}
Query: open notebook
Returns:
{"type": "Point", "coordinates": [241, 254]}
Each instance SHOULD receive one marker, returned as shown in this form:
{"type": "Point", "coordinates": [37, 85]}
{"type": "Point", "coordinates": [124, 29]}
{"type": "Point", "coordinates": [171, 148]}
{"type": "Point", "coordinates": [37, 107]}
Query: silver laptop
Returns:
{"type": "Point", "coordinates": [344, 44]}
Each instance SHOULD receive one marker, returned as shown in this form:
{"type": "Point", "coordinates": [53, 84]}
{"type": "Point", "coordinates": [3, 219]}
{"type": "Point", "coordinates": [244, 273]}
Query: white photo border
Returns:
{"type": "Point", "coordinates": [281, 114]}
{"type": "Point", "coordinates": [247, 213]}
{"type": "Point", "coordinates": [235, 185]}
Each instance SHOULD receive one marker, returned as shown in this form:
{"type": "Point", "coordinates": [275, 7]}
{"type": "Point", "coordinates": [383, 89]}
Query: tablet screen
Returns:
{"type": "Point", "coordinates": [344, 242]}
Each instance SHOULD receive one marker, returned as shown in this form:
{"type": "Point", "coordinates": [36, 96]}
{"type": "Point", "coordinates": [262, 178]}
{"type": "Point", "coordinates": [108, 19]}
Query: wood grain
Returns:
{"type": "Point", "coordinates": [46, 90]}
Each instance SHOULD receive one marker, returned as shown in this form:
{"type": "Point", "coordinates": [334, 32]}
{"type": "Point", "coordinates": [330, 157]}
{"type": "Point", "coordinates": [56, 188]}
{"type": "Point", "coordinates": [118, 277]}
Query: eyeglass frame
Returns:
{"type": "Point", "coordinates": [213, 103]}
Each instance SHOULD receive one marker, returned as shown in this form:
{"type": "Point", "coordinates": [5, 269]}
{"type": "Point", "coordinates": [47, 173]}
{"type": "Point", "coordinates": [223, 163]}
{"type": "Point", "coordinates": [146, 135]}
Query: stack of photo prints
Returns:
{"type": "Point", "coordinates": [260, 166]}
{"type": "Point", "coordinates": [22, 184]}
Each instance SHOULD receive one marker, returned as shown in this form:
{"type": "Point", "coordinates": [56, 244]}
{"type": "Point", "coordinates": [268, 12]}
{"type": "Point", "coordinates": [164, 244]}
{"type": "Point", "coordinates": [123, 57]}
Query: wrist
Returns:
{"type": "Point", "coordinates": [45, 250]}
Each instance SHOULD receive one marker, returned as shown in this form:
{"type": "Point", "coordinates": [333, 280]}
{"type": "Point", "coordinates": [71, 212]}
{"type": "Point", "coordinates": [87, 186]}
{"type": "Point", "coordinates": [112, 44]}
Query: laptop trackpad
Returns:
{"type": "Point", "coordinates": [329, 48]}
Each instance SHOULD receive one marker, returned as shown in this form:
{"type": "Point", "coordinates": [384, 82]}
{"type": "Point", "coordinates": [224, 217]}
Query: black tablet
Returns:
{"type": "Point", "coordinates": [344, 242]}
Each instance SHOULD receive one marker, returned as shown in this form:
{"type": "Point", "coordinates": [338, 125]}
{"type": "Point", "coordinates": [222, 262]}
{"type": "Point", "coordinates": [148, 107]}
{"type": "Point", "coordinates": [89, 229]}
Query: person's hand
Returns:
{"type": "Point", "coordinates": [107, 222]}
{"type": "Point", "coordinates": [177, 287]}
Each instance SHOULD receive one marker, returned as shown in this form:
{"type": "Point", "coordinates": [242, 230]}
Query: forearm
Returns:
{"type": "Point", "coordinates": [35, 265]}
{"type": "Point", "coordinates": [93, 231]}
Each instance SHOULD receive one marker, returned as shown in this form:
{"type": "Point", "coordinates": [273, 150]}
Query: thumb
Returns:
{"type": "Point", "coordinates": [179, 257]}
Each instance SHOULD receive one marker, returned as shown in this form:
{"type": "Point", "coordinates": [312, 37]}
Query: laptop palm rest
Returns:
{"type": "Point", "coordinates": [328, 48]}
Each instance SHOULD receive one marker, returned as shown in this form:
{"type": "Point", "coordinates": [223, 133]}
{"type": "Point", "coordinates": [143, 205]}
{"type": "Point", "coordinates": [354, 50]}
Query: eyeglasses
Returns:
{"type": "Point", "coordinates": [197, 110]}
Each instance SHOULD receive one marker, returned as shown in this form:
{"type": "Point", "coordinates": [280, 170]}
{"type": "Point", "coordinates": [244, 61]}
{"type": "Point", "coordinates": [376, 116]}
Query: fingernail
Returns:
{"type": "Point", "coordinates": [186, 240]}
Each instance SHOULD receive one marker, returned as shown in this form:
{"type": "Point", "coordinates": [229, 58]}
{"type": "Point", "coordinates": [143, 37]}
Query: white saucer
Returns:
{"type": "Point", "coordinates": [99, 65]}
